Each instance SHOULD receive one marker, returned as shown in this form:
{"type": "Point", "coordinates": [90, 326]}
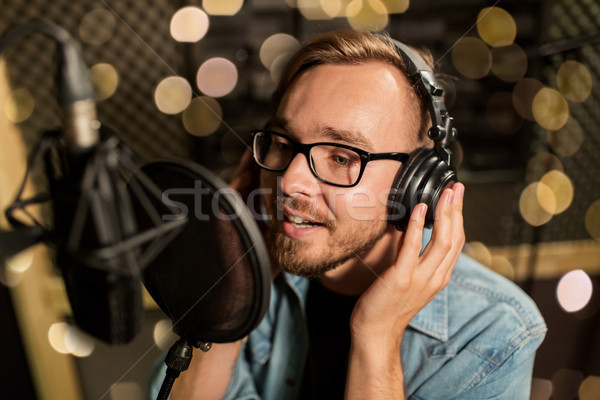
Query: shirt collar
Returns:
{"type": "Point", "coordinates": [432, 320]}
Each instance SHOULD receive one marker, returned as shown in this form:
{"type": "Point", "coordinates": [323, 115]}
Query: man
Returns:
{"type": "Point", "coordinates": [383, 317]}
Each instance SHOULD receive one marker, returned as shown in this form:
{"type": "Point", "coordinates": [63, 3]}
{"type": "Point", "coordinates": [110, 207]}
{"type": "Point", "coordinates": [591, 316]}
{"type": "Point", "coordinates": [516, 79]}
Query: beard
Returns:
{"type": "Point", "coordinates": [298, 258]}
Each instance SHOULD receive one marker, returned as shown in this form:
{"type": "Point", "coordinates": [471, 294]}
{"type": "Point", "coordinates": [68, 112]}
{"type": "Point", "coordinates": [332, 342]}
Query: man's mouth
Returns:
{"type": "Point", "coordinates": [299, 222]}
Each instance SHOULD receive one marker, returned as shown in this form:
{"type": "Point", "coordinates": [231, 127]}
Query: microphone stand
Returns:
{"type": "Point", "coordinates": [178, 360]}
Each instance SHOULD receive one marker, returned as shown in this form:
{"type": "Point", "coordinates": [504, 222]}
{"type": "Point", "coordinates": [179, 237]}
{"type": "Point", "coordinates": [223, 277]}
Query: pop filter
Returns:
{"type": "Point", "coordinates": [213, 279]}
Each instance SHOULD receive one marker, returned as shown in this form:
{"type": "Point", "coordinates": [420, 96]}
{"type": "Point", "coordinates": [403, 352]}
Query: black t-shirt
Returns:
{"type": "Point", "coordinates": [328, 318]}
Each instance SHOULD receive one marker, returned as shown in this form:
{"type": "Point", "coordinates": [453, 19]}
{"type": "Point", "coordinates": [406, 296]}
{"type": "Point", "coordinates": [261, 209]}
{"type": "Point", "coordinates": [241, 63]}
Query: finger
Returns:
{"type": "Point", "coordinates": [412, 240]}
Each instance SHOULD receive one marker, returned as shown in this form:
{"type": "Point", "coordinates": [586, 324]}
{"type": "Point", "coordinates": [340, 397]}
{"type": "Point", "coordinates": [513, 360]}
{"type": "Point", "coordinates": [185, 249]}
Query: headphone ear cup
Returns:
{"type": "Point", "coordinates": [421, 180]}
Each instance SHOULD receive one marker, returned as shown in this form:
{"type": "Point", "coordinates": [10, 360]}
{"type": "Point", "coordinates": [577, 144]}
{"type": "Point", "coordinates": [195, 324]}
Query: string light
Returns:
{"type": "Point", "coordinates": [550, 109]}
{"type": "Point", "coordinates": [574, 290]}
{"type": "Point", "coordinates": [189, 24]}
{"type": "Point", "coordinates": [173, 95]}
{"type": "Point", "coordinates": [471, 57]}
{"type": "Point", "coordinates": [217, 77]}
{"type": "Point", "coordinates": [105, 80]}
{"type": "Point", "coordinates": [496, 26]}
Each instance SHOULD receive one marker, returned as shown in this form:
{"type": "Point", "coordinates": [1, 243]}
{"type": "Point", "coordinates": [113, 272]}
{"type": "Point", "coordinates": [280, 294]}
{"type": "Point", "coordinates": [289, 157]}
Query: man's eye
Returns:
{"type": "Point", "coordinates": [341, 161]}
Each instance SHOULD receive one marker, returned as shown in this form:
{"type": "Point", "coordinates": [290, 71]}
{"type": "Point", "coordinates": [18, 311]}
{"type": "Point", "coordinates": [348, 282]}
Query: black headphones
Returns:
{"type": "Point", "coordinates": [427, 172]}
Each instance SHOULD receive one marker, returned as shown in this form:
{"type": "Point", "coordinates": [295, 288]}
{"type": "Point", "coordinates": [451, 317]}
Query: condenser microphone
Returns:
{"type": "Point", "coordinates": [98, 244]}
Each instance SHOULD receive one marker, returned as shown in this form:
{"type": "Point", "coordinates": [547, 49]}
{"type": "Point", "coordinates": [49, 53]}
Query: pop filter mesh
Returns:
{"type": "Point", "coordinates": [213, 278]}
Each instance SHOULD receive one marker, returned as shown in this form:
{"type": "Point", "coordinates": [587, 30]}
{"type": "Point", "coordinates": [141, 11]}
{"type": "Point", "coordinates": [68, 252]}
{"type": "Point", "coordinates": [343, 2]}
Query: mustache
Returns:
{"type": "Point", "coordinates": [304, 207]}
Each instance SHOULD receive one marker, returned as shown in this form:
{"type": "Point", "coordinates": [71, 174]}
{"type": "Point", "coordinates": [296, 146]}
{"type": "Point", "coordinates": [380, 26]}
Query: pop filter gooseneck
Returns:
{"type": "Point", "coordinates": [213, 279]}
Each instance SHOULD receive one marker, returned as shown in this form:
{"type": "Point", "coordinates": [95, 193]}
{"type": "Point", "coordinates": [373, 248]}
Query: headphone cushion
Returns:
{"type": "Point", "coordinates": [421, 180]}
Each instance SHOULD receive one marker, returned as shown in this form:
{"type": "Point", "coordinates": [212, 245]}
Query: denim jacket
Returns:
{"type": "Point", "coordinates": [475, 340]}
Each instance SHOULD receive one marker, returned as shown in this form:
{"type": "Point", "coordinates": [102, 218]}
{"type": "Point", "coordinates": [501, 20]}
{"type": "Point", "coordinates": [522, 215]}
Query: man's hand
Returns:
{"type": "Point", "coordinates": [383, 311]}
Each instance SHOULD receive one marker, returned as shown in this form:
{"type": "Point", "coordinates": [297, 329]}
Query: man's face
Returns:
{"type": "Point", "coordinates": [316, 226]}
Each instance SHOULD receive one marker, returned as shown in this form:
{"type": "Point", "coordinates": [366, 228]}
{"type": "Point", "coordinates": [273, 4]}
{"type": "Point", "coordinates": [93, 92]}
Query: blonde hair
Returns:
{"type": "Point", "coordinates": [352, 47]}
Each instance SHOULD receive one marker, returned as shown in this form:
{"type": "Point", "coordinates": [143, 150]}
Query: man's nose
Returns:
{"type": "Point", "coordinates": [298, 178]}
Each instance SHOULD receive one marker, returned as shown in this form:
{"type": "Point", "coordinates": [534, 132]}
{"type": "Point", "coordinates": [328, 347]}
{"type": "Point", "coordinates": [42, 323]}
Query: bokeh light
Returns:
{"type": "Point", "coordinates": [203, 116]}
{"type": "Point", "coordinates": [312, 9]}
{"type": "Point", "coordinates": [367, 15]}
{"type": "Point", "coordinates": [222, 7]}
{"type": "Point", "coordinates": [189, 24]}
{"type": "Point", "coordinates": [590, 388]}
{"type": "Point", "coordinates": [19, 105]}
{"type": "Point", "coordinates": [56, 337]}
{"type": "Point", "coordinates": [396, 6]}
{"type": "Point", "coordinates": [496, 26]}
{"type": "Point", "coordinates": [503, 266]}
{"type": "Point", "coordinates": [509, 63]}
{"type": "Point", "coordinates": [592, 220]}
{"type": "Point", "coordinates": [574, 290]}
{"type": "Point", "coordinates": [479, 251]}
{"type": "Point", "coordinates": [173, 95]}
{"type": "Point", "coordinates": [20, 262]}
{"type": "Point", "coordinates": [565, 384]}
{"type": "Point", "coordinates": [541, 389]}
{"type": "Point", "coordinates": [550, 109]}
{"type": "Point", "coordinates": [562, 190]}
{"type": "Point", "coordinates": [540, 164]}
{"type": "Point", "coordinates": [105, 80]}
{"type": "Point", "coordinates": [276, 45]}
{"type": "Point", "coordinates": [471, 57]}
{"type": "Point", "coordinates": [319, 9]}
{"type": "Point", "coordinates": [523, 94]}
{"type": "Point", "coordinates": [501, 115]}
{"type": "Point", "coordinates": [529, 205]}
{"type": "Point", "coordinates": [97, 26]}
{"type": "Point", "coordinates": [574, 81]}
{"type": "Point", "coordinates": [567, 140]}
{"type": "Point", "coordinates": [126, 391]}
{"type": "Point", "coordinates": [163, 334]}
{"type": "Point", "coordinates": [217, 77]}
{"type": "Point", "coordinates": [78, 343]}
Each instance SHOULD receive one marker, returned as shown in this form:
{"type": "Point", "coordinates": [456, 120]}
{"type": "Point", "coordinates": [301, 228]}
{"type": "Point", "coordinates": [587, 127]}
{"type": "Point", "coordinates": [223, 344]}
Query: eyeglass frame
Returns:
{"type": "Point", "coordinates": [304, 148]}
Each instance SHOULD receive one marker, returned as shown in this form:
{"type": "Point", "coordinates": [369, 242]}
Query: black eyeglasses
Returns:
{"type": "Point", "coordinates": [333, 163]}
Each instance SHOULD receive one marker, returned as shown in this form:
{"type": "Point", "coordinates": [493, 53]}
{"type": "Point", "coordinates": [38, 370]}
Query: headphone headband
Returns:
{"type": "Point", "coordinates": [420, 75]}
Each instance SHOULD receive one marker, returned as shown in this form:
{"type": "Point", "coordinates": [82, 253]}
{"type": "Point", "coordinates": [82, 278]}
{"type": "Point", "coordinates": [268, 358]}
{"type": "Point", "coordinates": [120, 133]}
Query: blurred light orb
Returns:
{"type": "Point", "coordinates": [56, 337]}
{"type": "Point", "coordinates": [501, 115]}
{"type": "Point", "coordinates": [592, 220]}
{"type": "Point", "coordinates": [574, 81]}
{"type": "Point", "coordinates": [562, 190]}
{"type": "Point", "coordinates": [496, 26]}
{"type": "Point", "coordinates": [523, 94]}
{"type": "Point", "coordinates": [278, 65]}
{"type": "Point", "coordinates": [567, 140]}
{"type": "Point", "coordinates": [189, 24]}
{"type": "Point", "coordinates": [565, 384]}
{"type": "Point", "coordinates": [529, 205]}
{"type": "Point", "coordinates": [203, 116]}
{"type": "Point", "coordinates": [367, 15]}
{"type": "Point", "coordinates": [126, 391]}
{"type": "Point", "coordinates": [471, 57]}
{"type": "Point", "coordinates": [540, 164]}
{"type": "Point", "coordinates": [590, 388]}
{"type": "Point", "coordinates": [480, 252]}
{"type": "Point", "coordinates": [222, 7]}
{"type": "Point", "coordinates": [105, 80]}
{"type": "Point", "coordinates": [173, 95]}
{"type": "Point", "coordinates": [19, 105]}
{"type": "Point", "coordinates": [396, 6]}
{"type": "Point", "coordinates": [163, 334]}
{"type": "Point", "coordinates": [20, 262]}
{"type": "Point", "coordinates": [217, 77]}
{"type": "Point", "coordinates": [509, 63]}
{"type": "Point", "coordinates": [275, 45]}
{"type": "Point", "coordinates": [550, 109]}
{"type": "Point", "coordinates": [541, 389]}
{"type": "Point", "coordinates": [574, 290]}
{"type": "Point", "coordinates": [78, 343]}
{"type": "Point", "coordinates": [97, 26]}
{"type": "Point", "coordinates": [503, 266]}
{"type": "Point", "coordinates": [319, 9]}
